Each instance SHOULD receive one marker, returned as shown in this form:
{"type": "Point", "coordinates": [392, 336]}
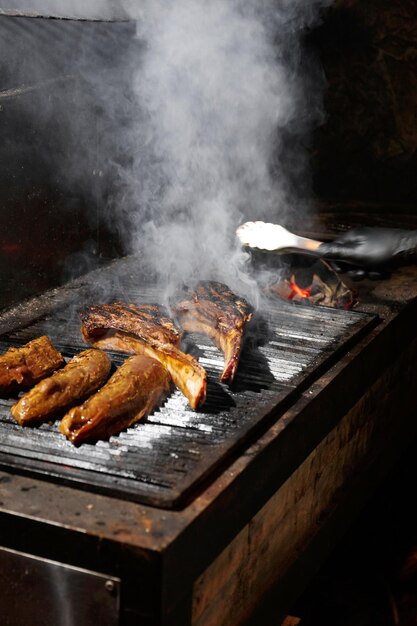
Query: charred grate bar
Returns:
{"type": "Point", "coordinates": [162, 460]}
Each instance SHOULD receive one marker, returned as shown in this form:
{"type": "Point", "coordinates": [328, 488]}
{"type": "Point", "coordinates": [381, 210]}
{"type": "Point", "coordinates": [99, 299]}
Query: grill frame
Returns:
{"type": "Point", "coordinates": [164, 486]}
{"type": "Point", "coordinates": [147, 547]}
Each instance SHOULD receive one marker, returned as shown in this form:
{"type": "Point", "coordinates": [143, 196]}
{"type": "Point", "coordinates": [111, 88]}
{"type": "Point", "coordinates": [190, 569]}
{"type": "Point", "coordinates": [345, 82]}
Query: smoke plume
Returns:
{"type": "Point", "coordinates": [225, 96]}
{"type": "Point", "coordinates": [172, 127]}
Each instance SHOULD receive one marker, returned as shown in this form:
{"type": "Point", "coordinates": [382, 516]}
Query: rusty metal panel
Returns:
{"type": "Point", "coordinates": [41, 592]}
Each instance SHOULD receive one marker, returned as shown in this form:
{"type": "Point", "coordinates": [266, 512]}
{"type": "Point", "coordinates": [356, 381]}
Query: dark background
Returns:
{"type": "Point", "coordinates": [56, 223]}
{"type": "Point", "coordinates": [59, 149]}
{"type": "Point", "coordinates": [367, 149]}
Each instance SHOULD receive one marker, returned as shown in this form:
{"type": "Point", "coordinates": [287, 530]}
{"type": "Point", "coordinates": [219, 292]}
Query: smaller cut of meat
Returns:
{"type": "Point", "coordinates": [147, 322]}
{"type": "Point", "coordinates": [82, 375]}
{"type": "Point", "coordinates": [131, 393]}
{"type": "Point", "coordinates": [145, 329]}
{"type": "Point", "coordinates": [214, 310]}
{"type": "Point", "coordinates": [21, 368]}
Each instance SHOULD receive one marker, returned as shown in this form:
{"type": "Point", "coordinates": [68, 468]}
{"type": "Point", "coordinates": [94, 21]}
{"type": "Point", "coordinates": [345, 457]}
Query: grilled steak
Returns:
{"type": "Point", "coordinates": [82, 375]}
{"type": "Point", "coordinates": [130, 394]}
{"type": "Point", "coordinates": [143, 329]}
{"type": "Point", "coordinates": [21, 368]}
{"type": "Point", "coordinates": [213, 310]}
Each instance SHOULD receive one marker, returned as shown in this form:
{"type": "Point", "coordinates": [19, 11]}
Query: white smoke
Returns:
{"type": "Point", "coordinates": [220, 87]}
{"type": "Point", "coordinates": [198, 123]}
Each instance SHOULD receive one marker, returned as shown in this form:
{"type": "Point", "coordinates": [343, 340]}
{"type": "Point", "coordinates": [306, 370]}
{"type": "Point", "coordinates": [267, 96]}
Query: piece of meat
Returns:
{"type": "Point", "coordinates": [21, 368]}
{"type": "Point", "coordinates": [213, 310]}
{"type": "Point", "coordinates": [82, 375]}
{"type": "Point", "coordinates": [144, 329]}
{"type": "Point", "coordinates": [131, 393]}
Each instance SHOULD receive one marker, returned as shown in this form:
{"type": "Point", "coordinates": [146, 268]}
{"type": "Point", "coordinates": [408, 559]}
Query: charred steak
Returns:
{"type": "Point", "coordinates": [144, 329]}
{"type": "Point", "coordinates": [82, 375]}
{"type": "Point", "coordinates": [213, 310]}
{"type": "Point", "coordinates": [130, 394]}
{"type": "Point", "coordinates": [21, 368]}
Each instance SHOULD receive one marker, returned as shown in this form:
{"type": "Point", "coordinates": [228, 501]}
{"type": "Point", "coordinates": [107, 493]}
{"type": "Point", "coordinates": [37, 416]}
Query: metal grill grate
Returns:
{"type": "Point", "coordinates": [161, 460]}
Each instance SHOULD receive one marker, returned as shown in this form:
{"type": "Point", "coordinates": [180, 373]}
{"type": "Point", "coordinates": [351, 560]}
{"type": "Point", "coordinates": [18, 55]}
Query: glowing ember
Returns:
{"type": "Point", "coordinates": [9, 247]}
{"type": "Point", "coordinates": [325, 287]}
{"type": "Point", "coordinates": [297, 291]}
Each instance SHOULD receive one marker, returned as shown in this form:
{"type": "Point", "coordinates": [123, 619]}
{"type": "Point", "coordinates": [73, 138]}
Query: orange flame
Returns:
{"type": "Point", "coordinates": [297, 291]}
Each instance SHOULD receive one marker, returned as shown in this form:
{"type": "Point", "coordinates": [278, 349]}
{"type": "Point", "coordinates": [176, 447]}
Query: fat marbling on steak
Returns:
{"type": "Point", "coordinates": [212, 309]}
{"type": "Point", "coordinates": [130, 394]}
{"type": "Point", "coordinates": [145, 329]}
{"type": "Point", "coordinates": [80, 377]}
{"type": "Point", "coordinates": [21, 368]}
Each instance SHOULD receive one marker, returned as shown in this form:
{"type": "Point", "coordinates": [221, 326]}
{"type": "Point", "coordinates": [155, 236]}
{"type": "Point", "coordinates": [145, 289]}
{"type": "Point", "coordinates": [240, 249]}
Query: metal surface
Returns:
{"type": "Point", "coordinates": [41, 592]}
{"type": "Point", "coordinates": [162, 460]}
{"type": "Point", "coordinates": [99, 10]}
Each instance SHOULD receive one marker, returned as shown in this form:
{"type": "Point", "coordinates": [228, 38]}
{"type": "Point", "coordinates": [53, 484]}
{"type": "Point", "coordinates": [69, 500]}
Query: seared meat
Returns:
{"type": "Point", "coordinates": [143, 329]}
{"type": "Point", "coordinates": [213, 310]}
{"type": "Point", "coordinates": [146, 321]}
{"type": "Point", "coordinates": [82, 375]}
{"type": "Point", "coordinates": [23, 367]}
{"type": "Point", "coordinates": [130, 394]}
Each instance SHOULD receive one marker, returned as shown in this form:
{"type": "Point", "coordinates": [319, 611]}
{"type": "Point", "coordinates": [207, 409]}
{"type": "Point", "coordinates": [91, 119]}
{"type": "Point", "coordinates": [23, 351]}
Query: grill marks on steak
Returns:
{"type": "Point", "coordinates": [144, 329]}
{"type": "Point", "coordinates": [82, 375]}
{"type": "Point", "coordinates": [214, 310]}
{"type": "Point", "coordinates": [23, 367]}
{"type": "Point", "coordinates": [131, 393]}
{"type": "Point", "coordinates": [146, 322]}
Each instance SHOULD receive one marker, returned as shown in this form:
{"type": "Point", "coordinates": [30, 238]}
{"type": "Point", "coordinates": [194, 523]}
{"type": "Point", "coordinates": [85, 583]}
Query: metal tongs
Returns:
{"type": "Point", "coordinates": [275, 238]}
